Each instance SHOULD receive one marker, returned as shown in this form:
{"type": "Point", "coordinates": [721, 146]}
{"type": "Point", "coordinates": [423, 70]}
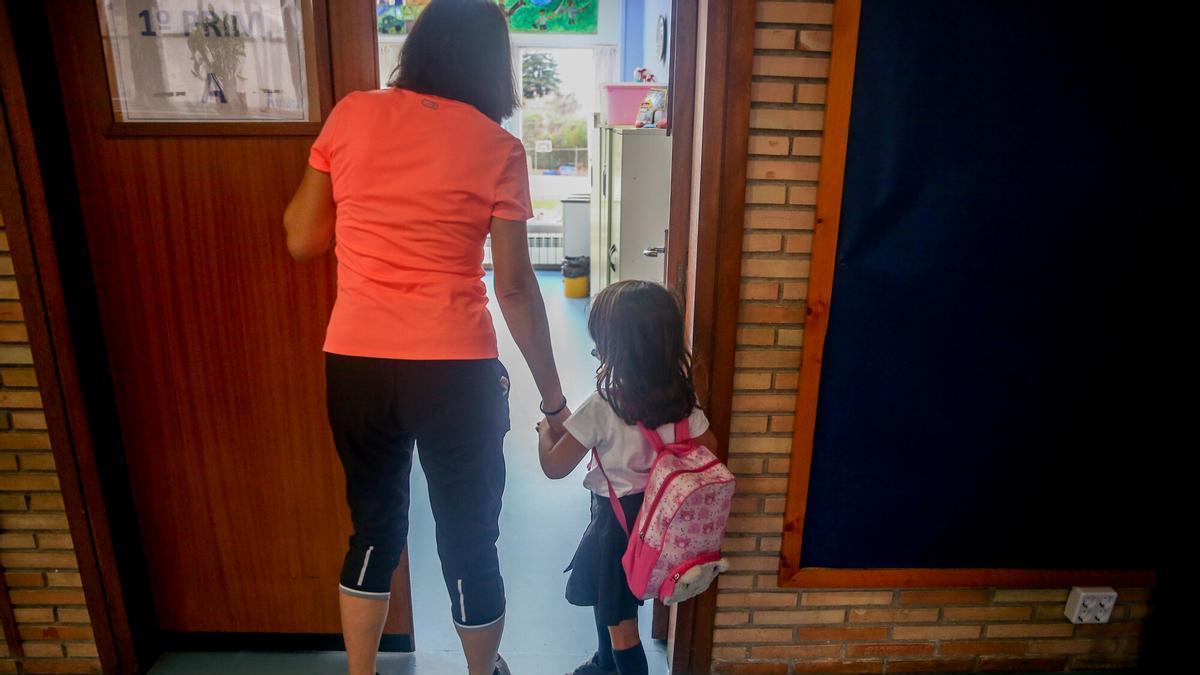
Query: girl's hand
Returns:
{"type": "Point", "coordinates": [558, 453]}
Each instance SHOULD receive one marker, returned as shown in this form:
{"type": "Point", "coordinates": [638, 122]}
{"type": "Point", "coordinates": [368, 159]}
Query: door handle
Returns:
{"type": "Point", "coordinates": [654, 251]}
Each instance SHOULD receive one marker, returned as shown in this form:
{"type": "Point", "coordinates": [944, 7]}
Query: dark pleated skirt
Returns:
{"type": "Point", "coordinates": [597, 578]}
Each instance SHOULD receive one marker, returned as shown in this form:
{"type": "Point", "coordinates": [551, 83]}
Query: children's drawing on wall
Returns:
{"type": "Point", "coordinates": [395, 17]}
{"type": "Point", "coordinates": [551, 16]}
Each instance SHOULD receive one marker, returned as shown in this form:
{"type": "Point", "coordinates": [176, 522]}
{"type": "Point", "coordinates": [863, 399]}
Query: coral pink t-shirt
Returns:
{"type": "Point", "coordinates": [416, 179]}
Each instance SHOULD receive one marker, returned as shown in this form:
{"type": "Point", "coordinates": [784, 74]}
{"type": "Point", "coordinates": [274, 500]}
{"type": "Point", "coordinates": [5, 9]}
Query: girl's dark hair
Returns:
{"type": "Point", "coordinates": [645, 371]}
{"type": "Point", "coordinates": [459, 49]}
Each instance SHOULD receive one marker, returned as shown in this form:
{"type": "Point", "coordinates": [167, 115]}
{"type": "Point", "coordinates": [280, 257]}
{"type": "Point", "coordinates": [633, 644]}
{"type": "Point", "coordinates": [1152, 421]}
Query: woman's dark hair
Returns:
{"type": "Point", "coordinates": [645, 371]}
{"type": "Point", "coordinates": [459, 49]}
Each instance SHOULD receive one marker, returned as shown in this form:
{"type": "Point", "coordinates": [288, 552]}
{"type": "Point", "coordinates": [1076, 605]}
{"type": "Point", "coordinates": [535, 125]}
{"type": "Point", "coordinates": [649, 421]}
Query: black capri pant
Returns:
{"type": "Point", "coordinates": [456, 413]}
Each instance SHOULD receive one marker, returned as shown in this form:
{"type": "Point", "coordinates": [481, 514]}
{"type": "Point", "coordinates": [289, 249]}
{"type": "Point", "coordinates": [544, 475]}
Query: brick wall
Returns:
{"type": "Point", "coordinates": [764, 629]}
{"type": "Point", "coordinates": [36, 553]}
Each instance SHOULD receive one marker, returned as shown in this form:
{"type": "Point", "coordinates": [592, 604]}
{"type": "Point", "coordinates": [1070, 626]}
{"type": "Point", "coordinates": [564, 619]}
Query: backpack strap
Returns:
{"type": "Point", "coordinates": [652, 436]}
{"type": "Point", "coordinates": [612, 494]}
{"type": "Point", "coordinates": [680, 446]}
{"type": "Point", "coordinates": [683, 431]}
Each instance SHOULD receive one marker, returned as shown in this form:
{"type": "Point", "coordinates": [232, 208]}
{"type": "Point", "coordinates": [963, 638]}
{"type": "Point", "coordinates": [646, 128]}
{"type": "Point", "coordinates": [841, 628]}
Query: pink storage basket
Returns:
{"type": "Point", "coordinates": [623, 99]}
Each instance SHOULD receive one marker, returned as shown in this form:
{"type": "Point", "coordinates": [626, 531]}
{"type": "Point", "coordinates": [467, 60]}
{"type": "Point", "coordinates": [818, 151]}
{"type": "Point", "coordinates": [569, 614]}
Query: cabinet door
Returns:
{"type": "Point", "coordinates": [601, 209]}
{"type": "Point", "coordinates": [616, 183]}
{"type": "Point", "coordinates": [594, 244]}
{"type": "Point", "coordinates": [644, 192]}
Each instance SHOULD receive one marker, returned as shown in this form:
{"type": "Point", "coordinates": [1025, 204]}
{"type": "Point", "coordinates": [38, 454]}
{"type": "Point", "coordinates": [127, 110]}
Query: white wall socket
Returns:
{"type": "Point", "coordinates": [1090, 604]}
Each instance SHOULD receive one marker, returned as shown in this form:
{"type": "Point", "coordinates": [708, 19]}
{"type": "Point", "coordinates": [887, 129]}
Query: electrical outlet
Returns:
{"type": "Point", "coordinates": [1090, 604]}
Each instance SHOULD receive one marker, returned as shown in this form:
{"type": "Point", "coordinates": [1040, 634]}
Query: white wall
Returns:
{"type": "Point", "coordinates": [632, 17]}
{"type": "Point", "coordinates": [652, 10]}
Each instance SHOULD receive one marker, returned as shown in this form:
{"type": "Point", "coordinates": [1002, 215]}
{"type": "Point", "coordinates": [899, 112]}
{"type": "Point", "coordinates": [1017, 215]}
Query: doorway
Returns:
{"type": "Point", "coordinates": [560, 124]}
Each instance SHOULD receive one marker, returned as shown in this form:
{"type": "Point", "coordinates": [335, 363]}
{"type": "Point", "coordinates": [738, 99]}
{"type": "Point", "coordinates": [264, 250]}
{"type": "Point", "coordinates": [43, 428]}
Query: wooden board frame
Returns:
{"type": "Point", "coordinates": [820, 291]}
{"type": "Point", "coordinates": [27, 219]}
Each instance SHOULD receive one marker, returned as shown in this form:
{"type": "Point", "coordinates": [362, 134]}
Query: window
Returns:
{"type": "Point", "coordinates": [558, 91]}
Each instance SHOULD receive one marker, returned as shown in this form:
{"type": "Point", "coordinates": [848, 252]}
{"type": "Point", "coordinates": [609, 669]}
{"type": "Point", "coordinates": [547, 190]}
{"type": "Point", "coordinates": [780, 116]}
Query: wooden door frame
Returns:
{"type": "Point", "coordinates": [704, 250]}
{"type": "Point", "coordinates": [711, 74]}
{"type": "Point", "coordinates": [27, 217]}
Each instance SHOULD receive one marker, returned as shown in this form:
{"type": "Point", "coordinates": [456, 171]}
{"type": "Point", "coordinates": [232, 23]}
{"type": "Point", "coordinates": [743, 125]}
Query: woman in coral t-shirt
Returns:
{"type": "Point", "coordinates": [405, 184]}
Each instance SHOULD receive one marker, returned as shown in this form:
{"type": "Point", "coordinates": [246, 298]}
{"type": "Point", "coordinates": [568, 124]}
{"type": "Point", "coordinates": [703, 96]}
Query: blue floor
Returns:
{"type": "Point", "coordinates": [540, 525]}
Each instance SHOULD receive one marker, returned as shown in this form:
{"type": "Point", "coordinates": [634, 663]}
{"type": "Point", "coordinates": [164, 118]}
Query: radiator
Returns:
{"type": "Point", "coordinates": [545, 250]}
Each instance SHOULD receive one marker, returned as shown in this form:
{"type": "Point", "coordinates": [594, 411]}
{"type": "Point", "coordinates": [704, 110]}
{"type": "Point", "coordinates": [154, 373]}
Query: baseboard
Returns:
{"type": "Point", "coordinates": [289, 642]}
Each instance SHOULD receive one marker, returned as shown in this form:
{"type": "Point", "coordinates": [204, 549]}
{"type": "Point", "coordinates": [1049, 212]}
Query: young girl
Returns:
{"type": "Point", "coordinates": [645, 376]}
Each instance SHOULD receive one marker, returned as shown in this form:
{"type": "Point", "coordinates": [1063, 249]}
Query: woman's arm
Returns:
{"type": "Point", "coordinates": [310, 216]}
{"type": "Point", "coordinates": [524, 312]}
{"type": "Point", "coordinates": [558, 457]}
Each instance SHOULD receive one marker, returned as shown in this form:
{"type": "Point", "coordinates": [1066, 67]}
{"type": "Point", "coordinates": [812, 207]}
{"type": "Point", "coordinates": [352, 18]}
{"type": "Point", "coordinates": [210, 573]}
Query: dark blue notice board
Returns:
{"type": "Point", "coordinates": [988, 392]}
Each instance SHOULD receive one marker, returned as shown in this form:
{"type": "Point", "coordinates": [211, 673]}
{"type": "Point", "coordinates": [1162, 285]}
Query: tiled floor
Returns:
{"type": "Point", "coordinates": [540, 525]}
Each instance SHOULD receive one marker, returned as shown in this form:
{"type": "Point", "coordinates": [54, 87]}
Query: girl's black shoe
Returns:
{"type": "Point", "coordinates": [592, 668]}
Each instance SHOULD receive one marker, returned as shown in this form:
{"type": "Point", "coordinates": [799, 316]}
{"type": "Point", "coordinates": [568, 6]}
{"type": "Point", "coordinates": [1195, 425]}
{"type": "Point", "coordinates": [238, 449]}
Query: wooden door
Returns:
{"type": "Point", "coordinates": [214, 335]}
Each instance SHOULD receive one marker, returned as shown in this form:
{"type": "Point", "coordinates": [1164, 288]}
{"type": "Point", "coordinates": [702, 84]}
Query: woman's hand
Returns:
{"type": "Point", "coordinates": [546, 436]}
{"type": "Point", "coordinates": [550, 428]}
{"type": "Point", "coordinates": [555, 422]}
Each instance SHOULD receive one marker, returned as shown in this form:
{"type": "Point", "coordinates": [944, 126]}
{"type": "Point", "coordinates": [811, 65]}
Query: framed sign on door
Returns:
{"type": "Point", "coordinates": [178, 66]}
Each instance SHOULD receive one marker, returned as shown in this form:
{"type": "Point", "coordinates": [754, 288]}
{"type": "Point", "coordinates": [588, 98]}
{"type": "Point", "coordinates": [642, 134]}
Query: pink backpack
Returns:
{"type": "Point", "coordinates": [675, 551]}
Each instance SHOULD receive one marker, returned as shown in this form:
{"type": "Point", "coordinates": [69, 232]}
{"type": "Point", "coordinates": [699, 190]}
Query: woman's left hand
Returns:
{"type": "Point", "coordinates": [555, 422]}
{"type": "Point", "coordinates": [550, 432]}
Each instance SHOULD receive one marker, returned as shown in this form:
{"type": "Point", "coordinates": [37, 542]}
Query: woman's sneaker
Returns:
{"type": "Point", "coordinates": [501, 667]}
{"type": "Point", "coordinates": [592, 668]}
